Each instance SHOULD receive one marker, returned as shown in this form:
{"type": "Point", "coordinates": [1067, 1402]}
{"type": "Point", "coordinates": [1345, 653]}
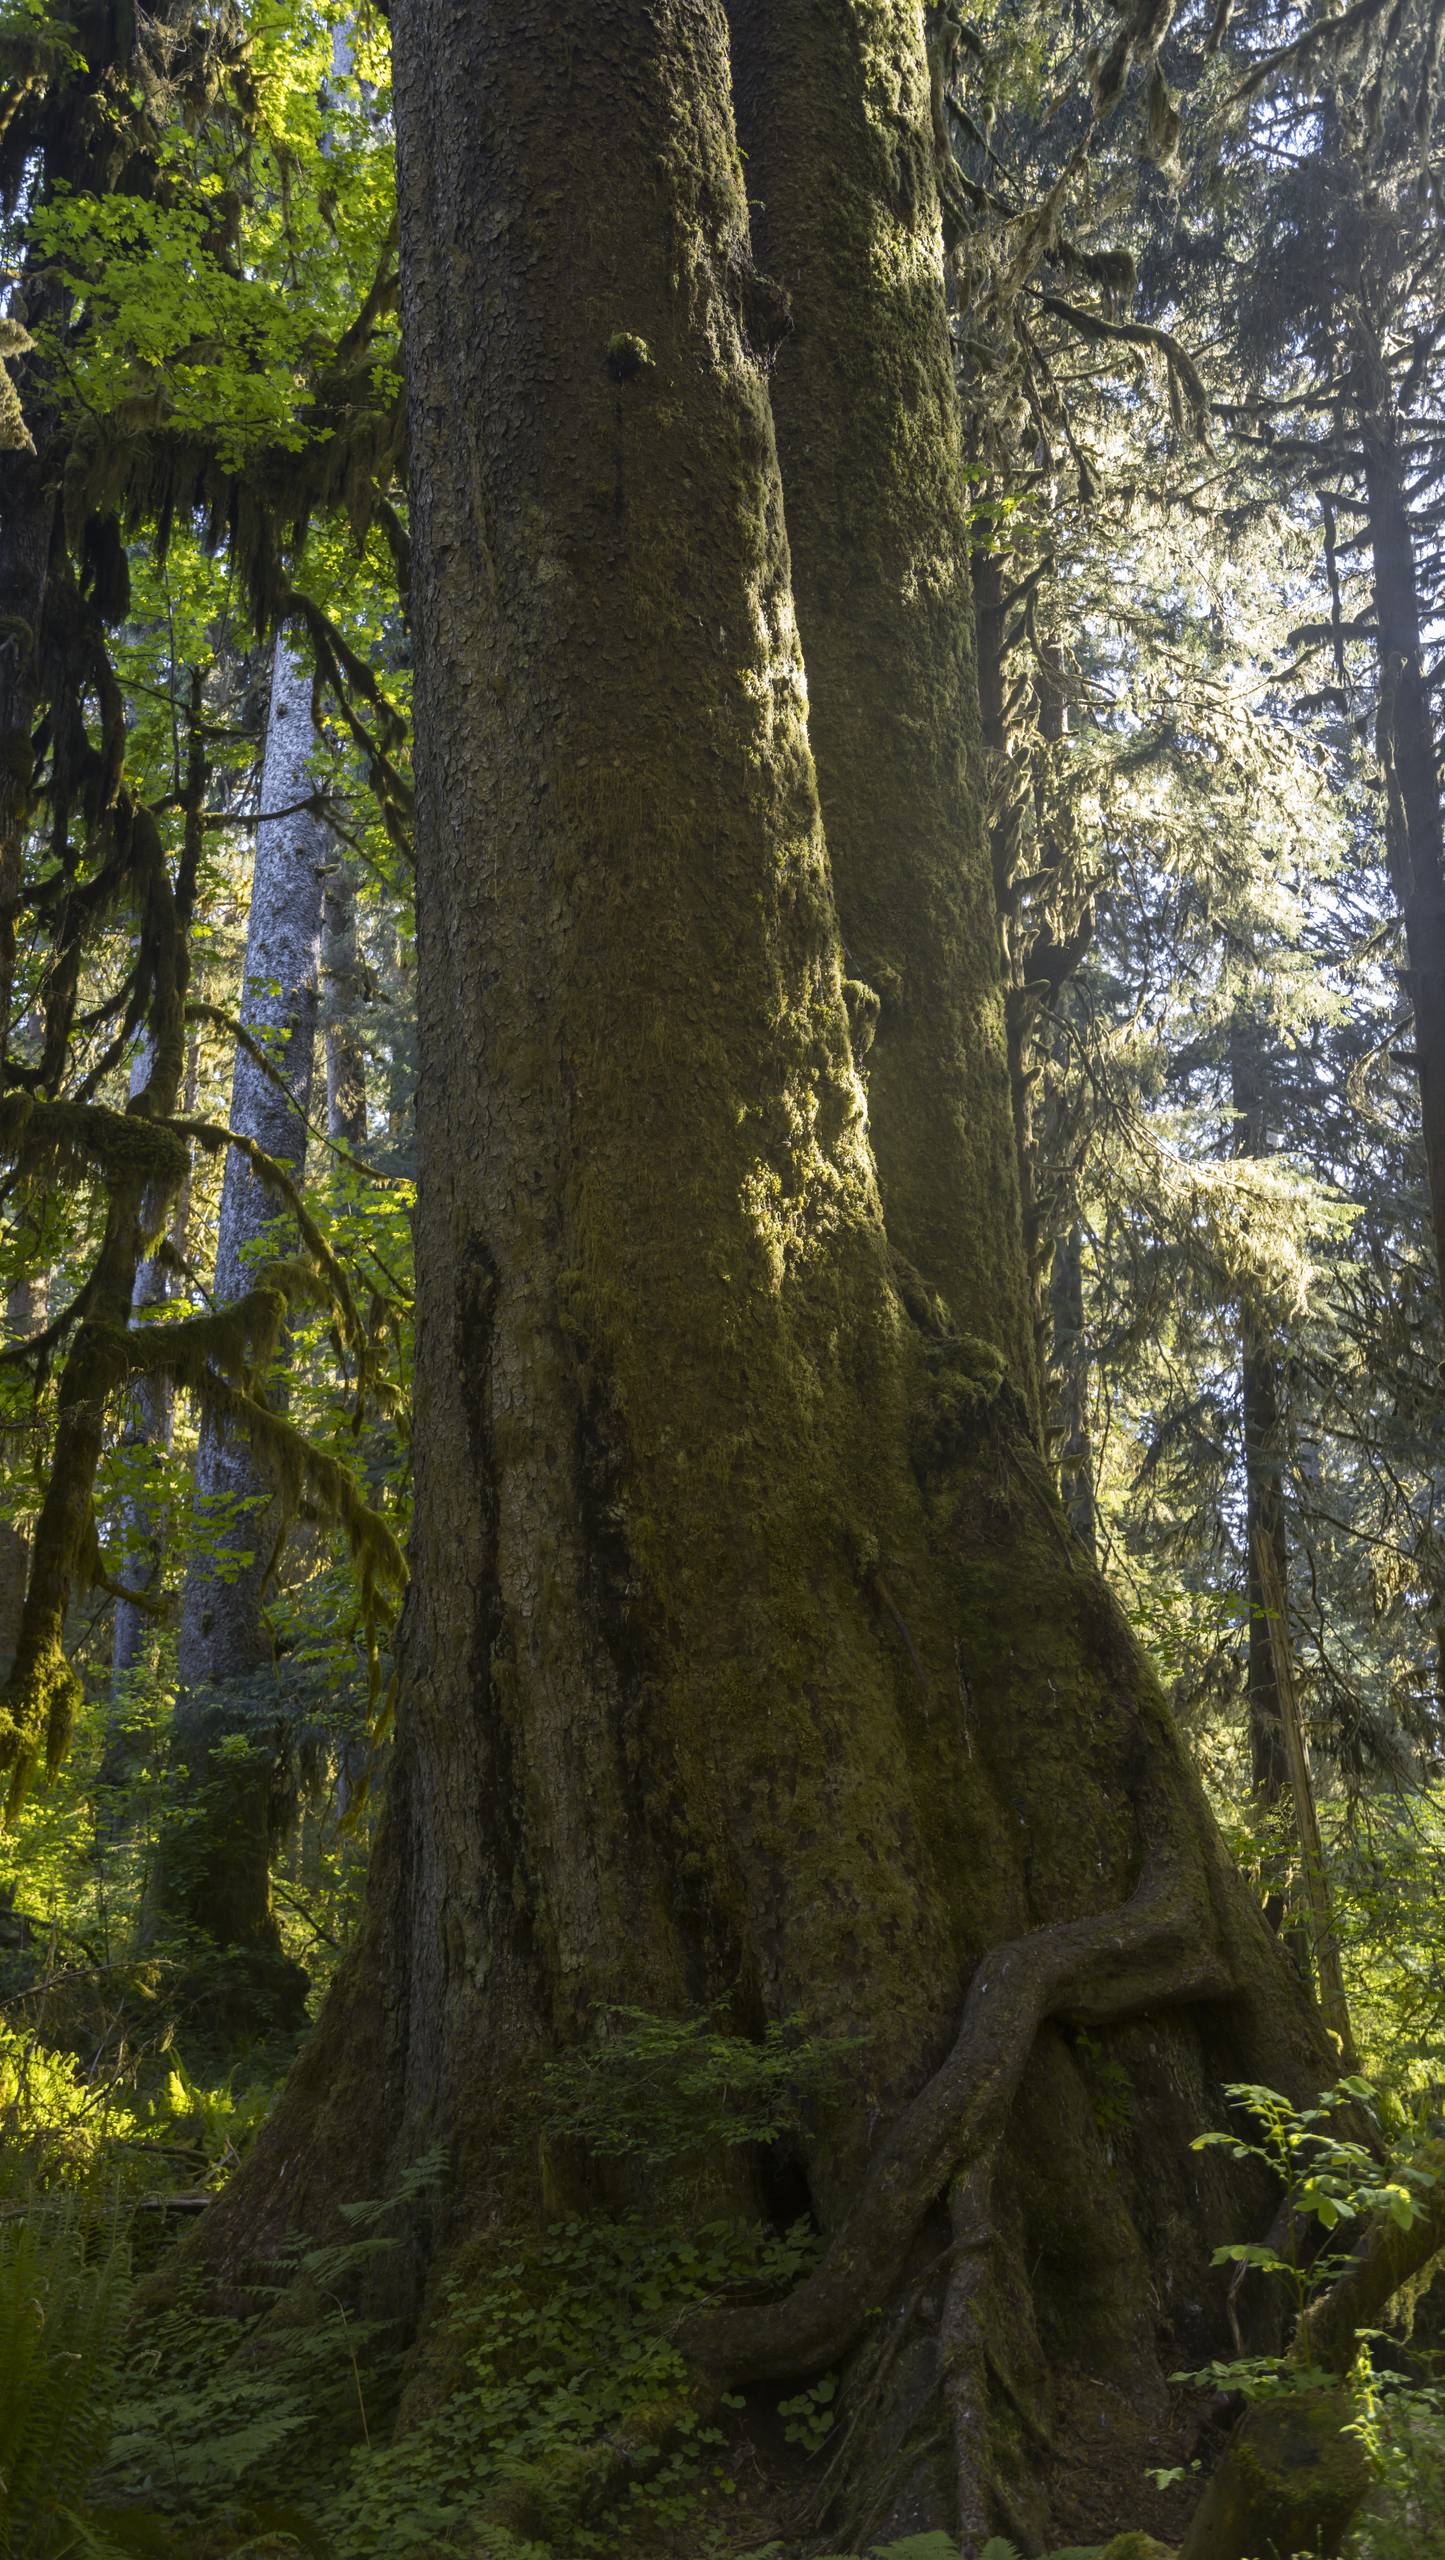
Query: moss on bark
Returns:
{"type": "Point", "coordinates": [834, 114]}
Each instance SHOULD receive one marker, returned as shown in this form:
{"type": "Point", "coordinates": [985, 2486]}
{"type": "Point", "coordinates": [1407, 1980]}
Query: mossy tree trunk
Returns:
{"type": "Point", "coordinates": [27, 529]}
{"type": "Point", "coordinates": [748, 1658]}
{"type": "Point", "coordinates": [834, 116]}
{"type": "Point", "coordinates": [140, 1525]}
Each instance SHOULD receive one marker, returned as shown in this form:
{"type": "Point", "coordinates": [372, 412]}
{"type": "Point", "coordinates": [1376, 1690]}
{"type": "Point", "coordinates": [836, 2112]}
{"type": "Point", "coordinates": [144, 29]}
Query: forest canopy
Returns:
{"type": "Point", "coordinates": [722, 1201]}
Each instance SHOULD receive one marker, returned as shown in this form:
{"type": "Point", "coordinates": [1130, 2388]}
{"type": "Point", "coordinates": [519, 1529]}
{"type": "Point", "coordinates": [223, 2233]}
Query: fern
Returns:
{"type": "Point", "coordinates": [64, 2296]}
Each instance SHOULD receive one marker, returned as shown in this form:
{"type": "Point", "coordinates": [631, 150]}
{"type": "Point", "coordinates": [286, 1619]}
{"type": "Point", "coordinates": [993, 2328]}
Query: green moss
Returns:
{"type": "Point", "coordinates": [116, 1145]}
{"type": "Point", "coordinates": [38, 1706]}
{"type": "Point", "coordinates": [839, 136]}
{"type": "Point", "coordinates": [627, 356]}
{"type": "Point", "coordinates": [277, 1178]}
{"type": "Point", "coordinates": [863, 1008]}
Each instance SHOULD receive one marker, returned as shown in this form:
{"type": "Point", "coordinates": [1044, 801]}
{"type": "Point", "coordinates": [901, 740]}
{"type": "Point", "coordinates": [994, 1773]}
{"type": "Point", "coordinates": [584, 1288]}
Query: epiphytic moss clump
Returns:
{"type": "Point", "coordinates": [627, 355]}
{"type": "Point", "coordinates": [863, 1006]}
{"type": "Point", "coordinates": [966, 1379]}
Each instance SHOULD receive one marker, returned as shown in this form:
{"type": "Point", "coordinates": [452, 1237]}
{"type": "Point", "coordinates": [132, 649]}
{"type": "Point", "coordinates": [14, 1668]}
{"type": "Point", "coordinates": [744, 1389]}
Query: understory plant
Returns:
{"type": "Point", "coordinates": [1336, 2185]}
{"type": "Point", "coordinates": [65, 2292]}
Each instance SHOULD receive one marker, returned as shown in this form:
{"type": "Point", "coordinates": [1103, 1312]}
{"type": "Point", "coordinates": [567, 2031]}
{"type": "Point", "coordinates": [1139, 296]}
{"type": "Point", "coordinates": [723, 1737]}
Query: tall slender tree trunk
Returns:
{"type": "Point", "coordinates": [27, 524]}
{"type": "Point", "coordinates": [1046, 926]}
{"type": "Point", "coordinates": [148, 1434]}
{"type": "Point", "coordinates": [25, 1306]}
{"type": "Point", "coordinates": [1008, 784]}
{"type": "Point", "coordinates": [1263, 1469]}
{"type": "Point", "coordinates": [149, 1429]}
{"type": "Point", "coordinates": [1069, 1371]}
{"type": "Point", "coordinates": [343, 987]}
{"type": "Point", "coordinates": [213, 1872]}
{"type": "Point", "coordinates": [747, 1659]}
{"type": "Point", "coordinates": [1405, 730]}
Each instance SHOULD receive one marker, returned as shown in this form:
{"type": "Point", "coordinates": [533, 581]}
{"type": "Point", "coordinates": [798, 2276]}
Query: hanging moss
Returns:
{"type": "Point", "coordinates": [238, 1338]}
{"type": "Point", "coordinates": [88, 1138]}
{"type": "Point", "coordinates": [15, 436]}
{"type": "Point", "coordinates": [278, 1180]}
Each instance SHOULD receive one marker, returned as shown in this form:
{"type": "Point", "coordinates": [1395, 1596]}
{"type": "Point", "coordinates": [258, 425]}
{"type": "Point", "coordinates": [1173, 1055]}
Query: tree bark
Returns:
{"type": "Point", "coordinates": [747, 1659]}
{"type": "Point", "coordinates": [213, 1874]}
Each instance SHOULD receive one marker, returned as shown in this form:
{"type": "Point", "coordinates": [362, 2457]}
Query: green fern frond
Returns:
{"type": "Point", "coordinates": [64, 2298]}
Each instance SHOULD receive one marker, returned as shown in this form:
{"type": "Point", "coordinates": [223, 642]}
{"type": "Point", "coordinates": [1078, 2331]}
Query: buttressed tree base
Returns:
{"type": "Point", "coordinates": [749, 1661]}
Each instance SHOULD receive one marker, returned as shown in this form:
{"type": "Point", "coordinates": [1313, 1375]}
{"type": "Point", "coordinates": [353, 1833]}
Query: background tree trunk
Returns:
{"type": "Point", "coordinates": [343, 991]}
{"type": "Point", "coordinates": [1414, 835]}
{"type": "Point", "coordinates": [1263, 1466]}
{"type": "Point", "coordinates": [213, 1874]}
{"type": "Point", "coordinates": [1069, 1370]}
{"type": "Point", "coordinates": [27, 519]}
{"type": "Point", "coordinates": [152, 1406]}
{"type": "Point", "coordinates": [748, 1659]}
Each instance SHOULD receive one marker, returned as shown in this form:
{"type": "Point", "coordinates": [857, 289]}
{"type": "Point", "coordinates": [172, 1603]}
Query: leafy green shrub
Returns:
{"type": "Point", "coordinates": [1397, 2410]}
{"type": "Point", "coordinates": [1329, 2179]}
{"type": "Point", "coordinates": [657, 2088]}
{"type": "Point", "coordinates": [568, 2411]}
{"type": "Point", "coordinates": [56, 2122]}
{"type": "Point", "coordinates": [221, 2122]}
{"type": "Point", "coordinates": [1405, 2518]}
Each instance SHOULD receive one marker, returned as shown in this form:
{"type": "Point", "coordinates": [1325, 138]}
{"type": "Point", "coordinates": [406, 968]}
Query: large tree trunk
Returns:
{"type": "Point", "coordinates": [213, 1870]}
{"type": "Point", "coordinates": [748, 1659]}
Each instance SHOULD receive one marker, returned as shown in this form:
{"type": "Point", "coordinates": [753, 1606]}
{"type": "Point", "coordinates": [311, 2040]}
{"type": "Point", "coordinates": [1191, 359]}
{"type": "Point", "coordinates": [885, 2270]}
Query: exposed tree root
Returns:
{"type": "Point", "coordinates": [962, 2343]}
{"type": "Point", "coordinates": [1158, 1948]}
